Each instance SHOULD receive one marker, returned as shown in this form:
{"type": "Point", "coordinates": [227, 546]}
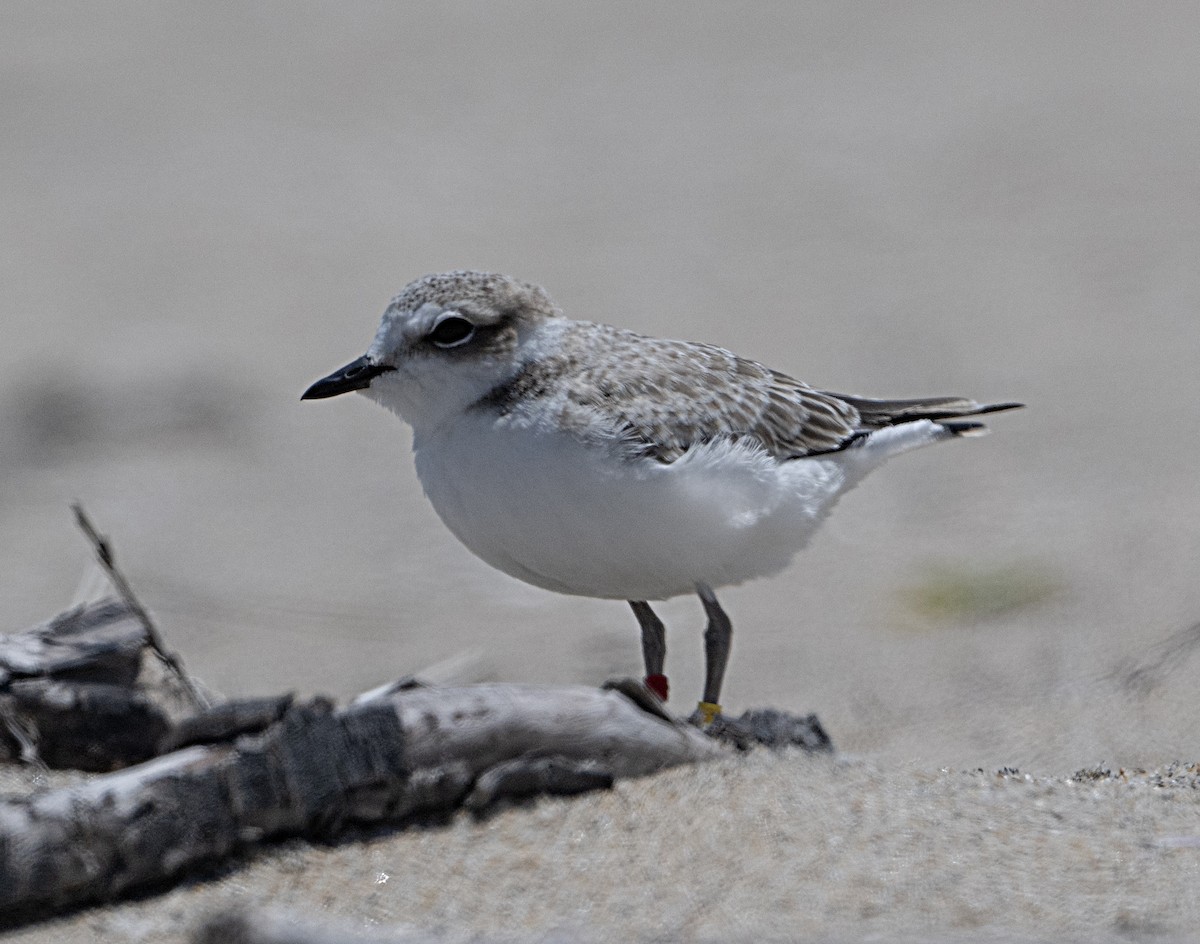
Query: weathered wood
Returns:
{"type": "Point", "coordinates": [84, 725]}
{"type": "Point", "coordinates": [96, 642]}
{"type": "Point", "coordinates": [68, 695]}
{"type": "Point", "coordinates": [226, 721]}
{"type": "Point", "coordinates": [414, 752]}
{"type": "Point", "coordinates": [770, 727]}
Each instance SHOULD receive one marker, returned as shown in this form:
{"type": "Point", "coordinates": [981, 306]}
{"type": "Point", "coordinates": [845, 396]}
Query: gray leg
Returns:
{"type": "Point", "coordinates": [718, 637]}
{"type": "Point", "coordinates": [654, 637]}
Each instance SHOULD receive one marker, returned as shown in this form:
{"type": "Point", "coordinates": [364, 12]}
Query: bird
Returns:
{"type": "Point", "coordinates": [590, 460]}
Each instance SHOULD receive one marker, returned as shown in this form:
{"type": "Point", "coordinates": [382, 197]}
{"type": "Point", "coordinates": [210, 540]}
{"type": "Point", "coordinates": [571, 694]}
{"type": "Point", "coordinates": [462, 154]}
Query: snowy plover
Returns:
{"type": "Point", "coordinates": [593, 461]}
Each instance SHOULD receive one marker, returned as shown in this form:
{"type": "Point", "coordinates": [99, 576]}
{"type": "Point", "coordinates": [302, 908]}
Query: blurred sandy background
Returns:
{"type": "Point", "coordinates": [206, 207]}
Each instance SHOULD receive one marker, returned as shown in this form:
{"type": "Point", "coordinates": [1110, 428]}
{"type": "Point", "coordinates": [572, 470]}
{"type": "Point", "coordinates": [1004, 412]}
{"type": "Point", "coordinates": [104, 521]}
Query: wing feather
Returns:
{"type": "Point", "coordinates": [662, 397]}
{"type": "Point", "coordinates": [665, 397]}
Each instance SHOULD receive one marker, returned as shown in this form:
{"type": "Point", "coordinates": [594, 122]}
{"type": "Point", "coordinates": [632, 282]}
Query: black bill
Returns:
{"type": "Point", "coordinates": [357, 375]}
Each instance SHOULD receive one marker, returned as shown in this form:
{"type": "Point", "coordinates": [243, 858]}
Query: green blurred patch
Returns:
{"type": "Point", "coordinates": [953, 593]}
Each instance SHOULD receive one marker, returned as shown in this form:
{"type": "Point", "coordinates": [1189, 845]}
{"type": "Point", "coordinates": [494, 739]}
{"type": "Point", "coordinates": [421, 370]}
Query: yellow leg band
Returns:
{"type": "Point", "coordinates": [708, 711]}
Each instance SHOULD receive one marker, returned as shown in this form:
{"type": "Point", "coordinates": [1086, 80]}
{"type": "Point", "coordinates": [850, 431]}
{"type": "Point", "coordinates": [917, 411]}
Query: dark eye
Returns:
{"type": "Point", "coordinates": [452, 331]}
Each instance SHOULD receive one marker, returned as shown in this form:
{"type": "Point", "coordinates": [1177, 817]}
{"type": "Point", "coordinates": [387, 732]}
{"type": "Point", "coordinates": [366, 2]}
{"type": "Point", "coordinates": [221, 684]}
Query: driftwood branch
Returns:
{"type": "Point", "coordinates": [72, 694]}
{"type": "Point", "coordinates": [316, 770]}
{"type": "Point", "coordinates": [68, 692]}
{"type": "Point", "coordinates": [104, 554]}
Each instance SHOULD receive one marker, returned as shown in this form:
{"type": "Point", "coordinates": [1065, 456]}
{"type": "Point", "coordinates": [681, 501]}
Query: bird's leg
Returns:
{"type": "Point", "coordinates": [718, 638]}
{"type": "Point", "coordinates": [654, 647]}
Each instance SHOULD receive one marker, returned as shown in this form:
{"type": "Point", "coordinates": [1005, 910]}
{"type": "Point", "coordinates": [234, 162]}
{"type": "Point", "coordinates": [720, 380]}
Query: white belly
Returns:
{"type": "Point", "coordinates": [576, 518]}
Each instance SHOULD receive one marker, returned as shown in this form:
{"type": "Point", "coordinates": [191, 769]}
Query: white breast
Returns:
{"type": "Point", "coordinates": [552, 510]}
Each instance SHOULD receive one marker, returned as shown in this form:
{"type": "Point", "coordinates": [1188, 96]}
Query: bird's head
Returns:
{"type": "Point", "coordinates": [443, 343]}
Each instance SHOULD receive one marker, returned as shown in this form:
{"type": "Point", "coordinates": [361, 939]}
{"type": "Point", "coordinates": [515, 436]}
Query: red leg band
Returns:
{"type": "Point", "coordinates": [658, 685]}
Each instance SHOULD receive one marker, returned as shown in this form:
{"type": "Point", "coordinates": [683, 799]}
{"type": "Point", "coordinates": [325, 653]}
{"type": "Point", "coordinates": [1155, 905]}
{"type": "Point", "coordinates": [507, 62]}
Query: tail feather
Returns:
{"type": "Point", "coordinates": [964, 429]}
{"type": "Point", "coordinates": [878, 414]}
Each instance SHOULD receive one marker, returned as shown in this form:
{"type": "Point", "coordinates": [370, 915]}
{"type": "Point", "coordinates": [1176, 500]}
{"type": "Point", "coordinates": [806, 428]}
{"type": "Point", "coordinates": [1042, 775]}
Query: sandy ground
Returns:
{"type": "Point", "coordinates": [206, 208]}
